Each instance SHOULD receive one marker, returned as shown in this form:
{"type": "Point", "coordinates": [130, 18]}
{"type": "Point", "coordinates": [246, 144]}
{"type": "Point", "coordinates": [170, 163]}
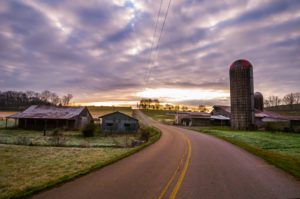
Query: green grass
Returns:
{"type": "Point", "coordinates": [279, 149]}
{"type": "Point", "coordinates": [160, 115]}
{"type": "Point", "coordinates": [25, 170]}
{"type": "Point", "coordinates": [10, 123]}
{"type": "Point", "coordinates": [69, 139]}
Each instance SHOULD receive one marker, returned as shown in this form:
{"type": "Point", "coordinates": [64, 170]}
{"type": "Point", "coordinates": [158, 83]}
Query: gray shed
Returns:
{"type": "Point", "coordinates": [118, 122]}
{"type": "Point", "coordinates": [50, 117]}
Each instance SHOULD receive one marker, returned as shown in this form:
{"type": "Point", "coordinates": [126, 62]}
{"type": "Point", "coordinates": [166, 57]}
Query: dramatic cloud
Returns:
{"type": "Point", "coordinates": [101, 50]}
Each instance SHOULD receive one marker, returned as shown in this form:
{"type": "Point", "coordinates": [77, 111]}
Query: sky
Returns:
{"type": "Point", "coordinates": [106, 51]}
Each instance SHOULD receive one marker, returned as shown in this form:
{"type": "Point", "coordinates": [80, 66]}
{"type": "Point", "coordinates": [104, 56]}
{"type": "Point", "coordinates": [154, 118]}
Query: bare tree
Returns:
{"type": "Point", "coordinates": [277, 101]}
{"type": "Point", "coordinates": [297, 98]}
{"type": "Point", "coordinates": [289, 99]}
{"type": "Point", "coordinates": [274, 101]}
{"type": "Point", "coordinates": [66, 99]}
{"type": "Point", "coordinates": [267, 103]}
{"type": "Point", "coordinates": [30, 94]}
{"type": "Point", "coordinates": [45, 95]}
{"type": "Point", "coordinates": [54, 99]}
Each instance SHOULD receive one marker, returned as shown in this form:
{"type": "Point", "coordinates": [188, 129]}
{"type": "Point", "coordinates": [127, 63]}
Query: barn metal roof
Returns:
{"type": "Point", "coordinates": [262, 114]}
{"type": "Point", "coordinates": [193, 113]}
{"type": "Point", "coordinates": [225, 108]}
{"type": "Point", "coordinates": [49, 112]}
{"type": "Point", "coordinates": [117, 112]}
{"type": "Point", "coordinates": [270, 114]}
{"type": "Point", "coordinates": [219, 117]}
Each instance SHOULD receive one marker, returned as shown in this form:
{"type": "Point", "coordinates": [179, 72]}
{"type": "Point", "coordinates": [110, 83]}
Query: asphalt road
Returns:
{"type": "Point", "coordinates": [183, 164]}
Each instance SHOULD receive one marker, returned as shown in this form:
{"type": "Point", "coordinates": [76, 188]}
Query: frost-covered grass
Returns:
{"type": "Point", "coordinates": [10, 123]}
{"type": "Point", "coordinates": [25, 170]}
{"type": "Point", "coordinates": [29, 167]}
{"type": "Point", "coordinates": [277, 142]}
{"type": "Point", "coordinates": [67, 139]}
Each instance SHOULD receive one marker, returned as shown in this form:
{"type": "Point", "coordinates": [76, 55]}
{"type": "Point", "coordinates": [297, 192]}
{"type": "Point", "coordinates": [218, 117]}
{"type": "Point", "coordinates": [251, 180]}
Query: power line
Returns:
{"type": "Point", "coordinates": [157, 45]}
{"type": "Point", "coordinates": [153, 39]}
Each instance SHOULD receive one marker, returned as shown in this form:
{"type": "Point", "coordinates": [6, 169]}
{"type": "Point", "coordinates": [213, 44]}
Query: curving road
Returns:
{"type": "Point", "coordinates": [183, 164]}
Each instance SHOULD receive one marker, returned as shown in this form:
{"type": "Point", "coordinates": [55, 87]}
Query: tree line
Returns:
{"type": "Point", "coordinates": [18, 100]}
{"type": "Point", "coordinates": [289, 99]}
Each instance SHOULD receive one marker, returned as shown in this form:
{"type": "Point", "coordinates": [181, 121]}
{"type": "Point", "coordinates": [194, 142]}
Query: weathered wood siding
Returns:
{"type": "Point", "coordinates": [84, 118]}
{"type": "Point", "coordinates": [119, 123]}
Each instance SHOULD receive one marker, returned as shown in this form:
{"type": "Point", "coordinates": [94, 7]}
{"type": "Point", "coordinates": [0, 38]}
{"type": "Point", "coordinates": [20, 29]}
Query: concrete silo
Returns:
{"type": "Point", "coordinates": [258, 101]}
{"type": "Point", "coordinates": [241, 95]}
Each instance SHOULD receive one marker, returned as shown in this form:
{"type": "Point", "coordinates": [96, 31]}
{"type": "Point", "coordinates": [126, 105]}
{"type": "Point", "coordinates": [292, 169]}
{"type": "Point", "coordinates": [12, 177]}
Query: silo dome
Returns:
{"type": "Point", "coordinates": [258, 94]}
{"type": "Point", "coordinates": [258, 101]}
{"type": "Point", "coordinates": [240, 63]}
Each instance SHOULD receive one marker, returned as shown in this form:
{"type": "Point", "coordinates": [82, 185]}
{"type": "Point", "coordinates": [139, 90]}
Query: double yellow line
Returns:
{"type": "Point", "coordinates": [180, 179]}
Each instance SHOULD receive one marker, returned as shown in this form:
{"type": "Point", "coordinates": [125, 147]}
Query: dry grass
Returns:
{"type": "Point", "coordinates": [160, 115]}
{"type": "Point", "coordinates": [7, 113]}
{"type": "Point", "coordinates": [24, 167]}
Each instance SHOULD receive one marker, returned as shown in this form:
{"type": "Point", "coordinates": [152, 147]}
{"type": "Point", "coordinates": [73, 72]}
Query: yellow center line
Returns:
{"type": "Point", "coordinates": [177, 186]}
{"type": "Point", "coordinates": [174, 174]}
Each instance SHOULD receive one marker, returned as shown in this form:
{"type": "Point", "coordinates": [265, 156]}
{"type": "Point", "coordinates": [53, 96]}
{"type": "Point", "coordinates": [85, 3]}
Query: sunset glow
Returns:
{"type": "Point", "coordinates": [108, 103]}
{"type": "Point", "coordinates": [173, 94]}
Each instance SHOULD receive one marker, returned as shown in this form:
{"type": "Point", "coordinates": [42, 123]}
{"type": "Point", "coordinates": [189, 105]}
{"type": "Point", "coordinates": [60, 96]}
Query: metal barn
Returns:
{"type": "Point", "coordinates": [221, 110]}
{"type": "Point", "coordinates": [192, 118]}
{"type": "Point", "coordinates": [44, 117]}
{"type": "Point", "coordinates": [118, 122]}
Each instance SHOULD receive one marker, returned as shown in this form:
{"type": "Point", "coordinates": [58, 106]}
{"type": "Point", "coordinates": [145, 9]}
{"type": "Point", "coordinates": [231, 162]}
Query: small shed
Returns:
{"type": "Point", "coordinates": [118, 122]}
{"type": "Point", "coordinates": [50, 117]}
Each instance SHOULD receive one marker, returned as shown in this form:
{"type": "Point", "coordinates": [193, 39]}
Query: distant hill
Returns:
{"type": "Point", "coordinates": [286, 110]}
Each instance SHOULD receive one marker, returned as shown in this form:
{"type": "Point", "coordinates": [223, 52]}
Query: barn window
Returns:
{"type": "Point", "coordinates": [109, 124]}
{"type": "Point", "coordinates": [127, 125]}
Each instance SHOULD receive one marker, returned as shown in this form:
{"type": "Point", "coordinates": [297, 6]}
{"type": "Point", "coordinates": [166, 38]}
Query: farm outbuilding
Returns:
{"type": "Point", "coordinates": [192, 118]}
{"type": "Point", "coordinates": [118, 122]}
{"type": "Point", "coordinates": [49, 117]}
{"type": "Point", "coordinates": [221, 110]}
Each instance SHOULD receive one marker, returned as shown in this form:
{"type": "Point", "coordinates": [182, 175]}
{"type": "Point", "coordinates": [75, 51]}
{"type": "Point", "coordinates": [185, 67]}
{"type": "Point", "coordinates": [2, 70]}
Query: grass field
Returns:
{"type": "Point", "coordinates": [10, 123]}
{"type": "Point", "coordinates": [280, 149]}
{"type": "Point", "coordinates": [160, 115]}
{"type": "Point", "coordinates": [25, 170]}
{"type": "Point", "coordinates": [7, 113]}
{"type": "Point", "coordinates": [25, 167]}
{"type": "Point", "coordinates": [68, 139]}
